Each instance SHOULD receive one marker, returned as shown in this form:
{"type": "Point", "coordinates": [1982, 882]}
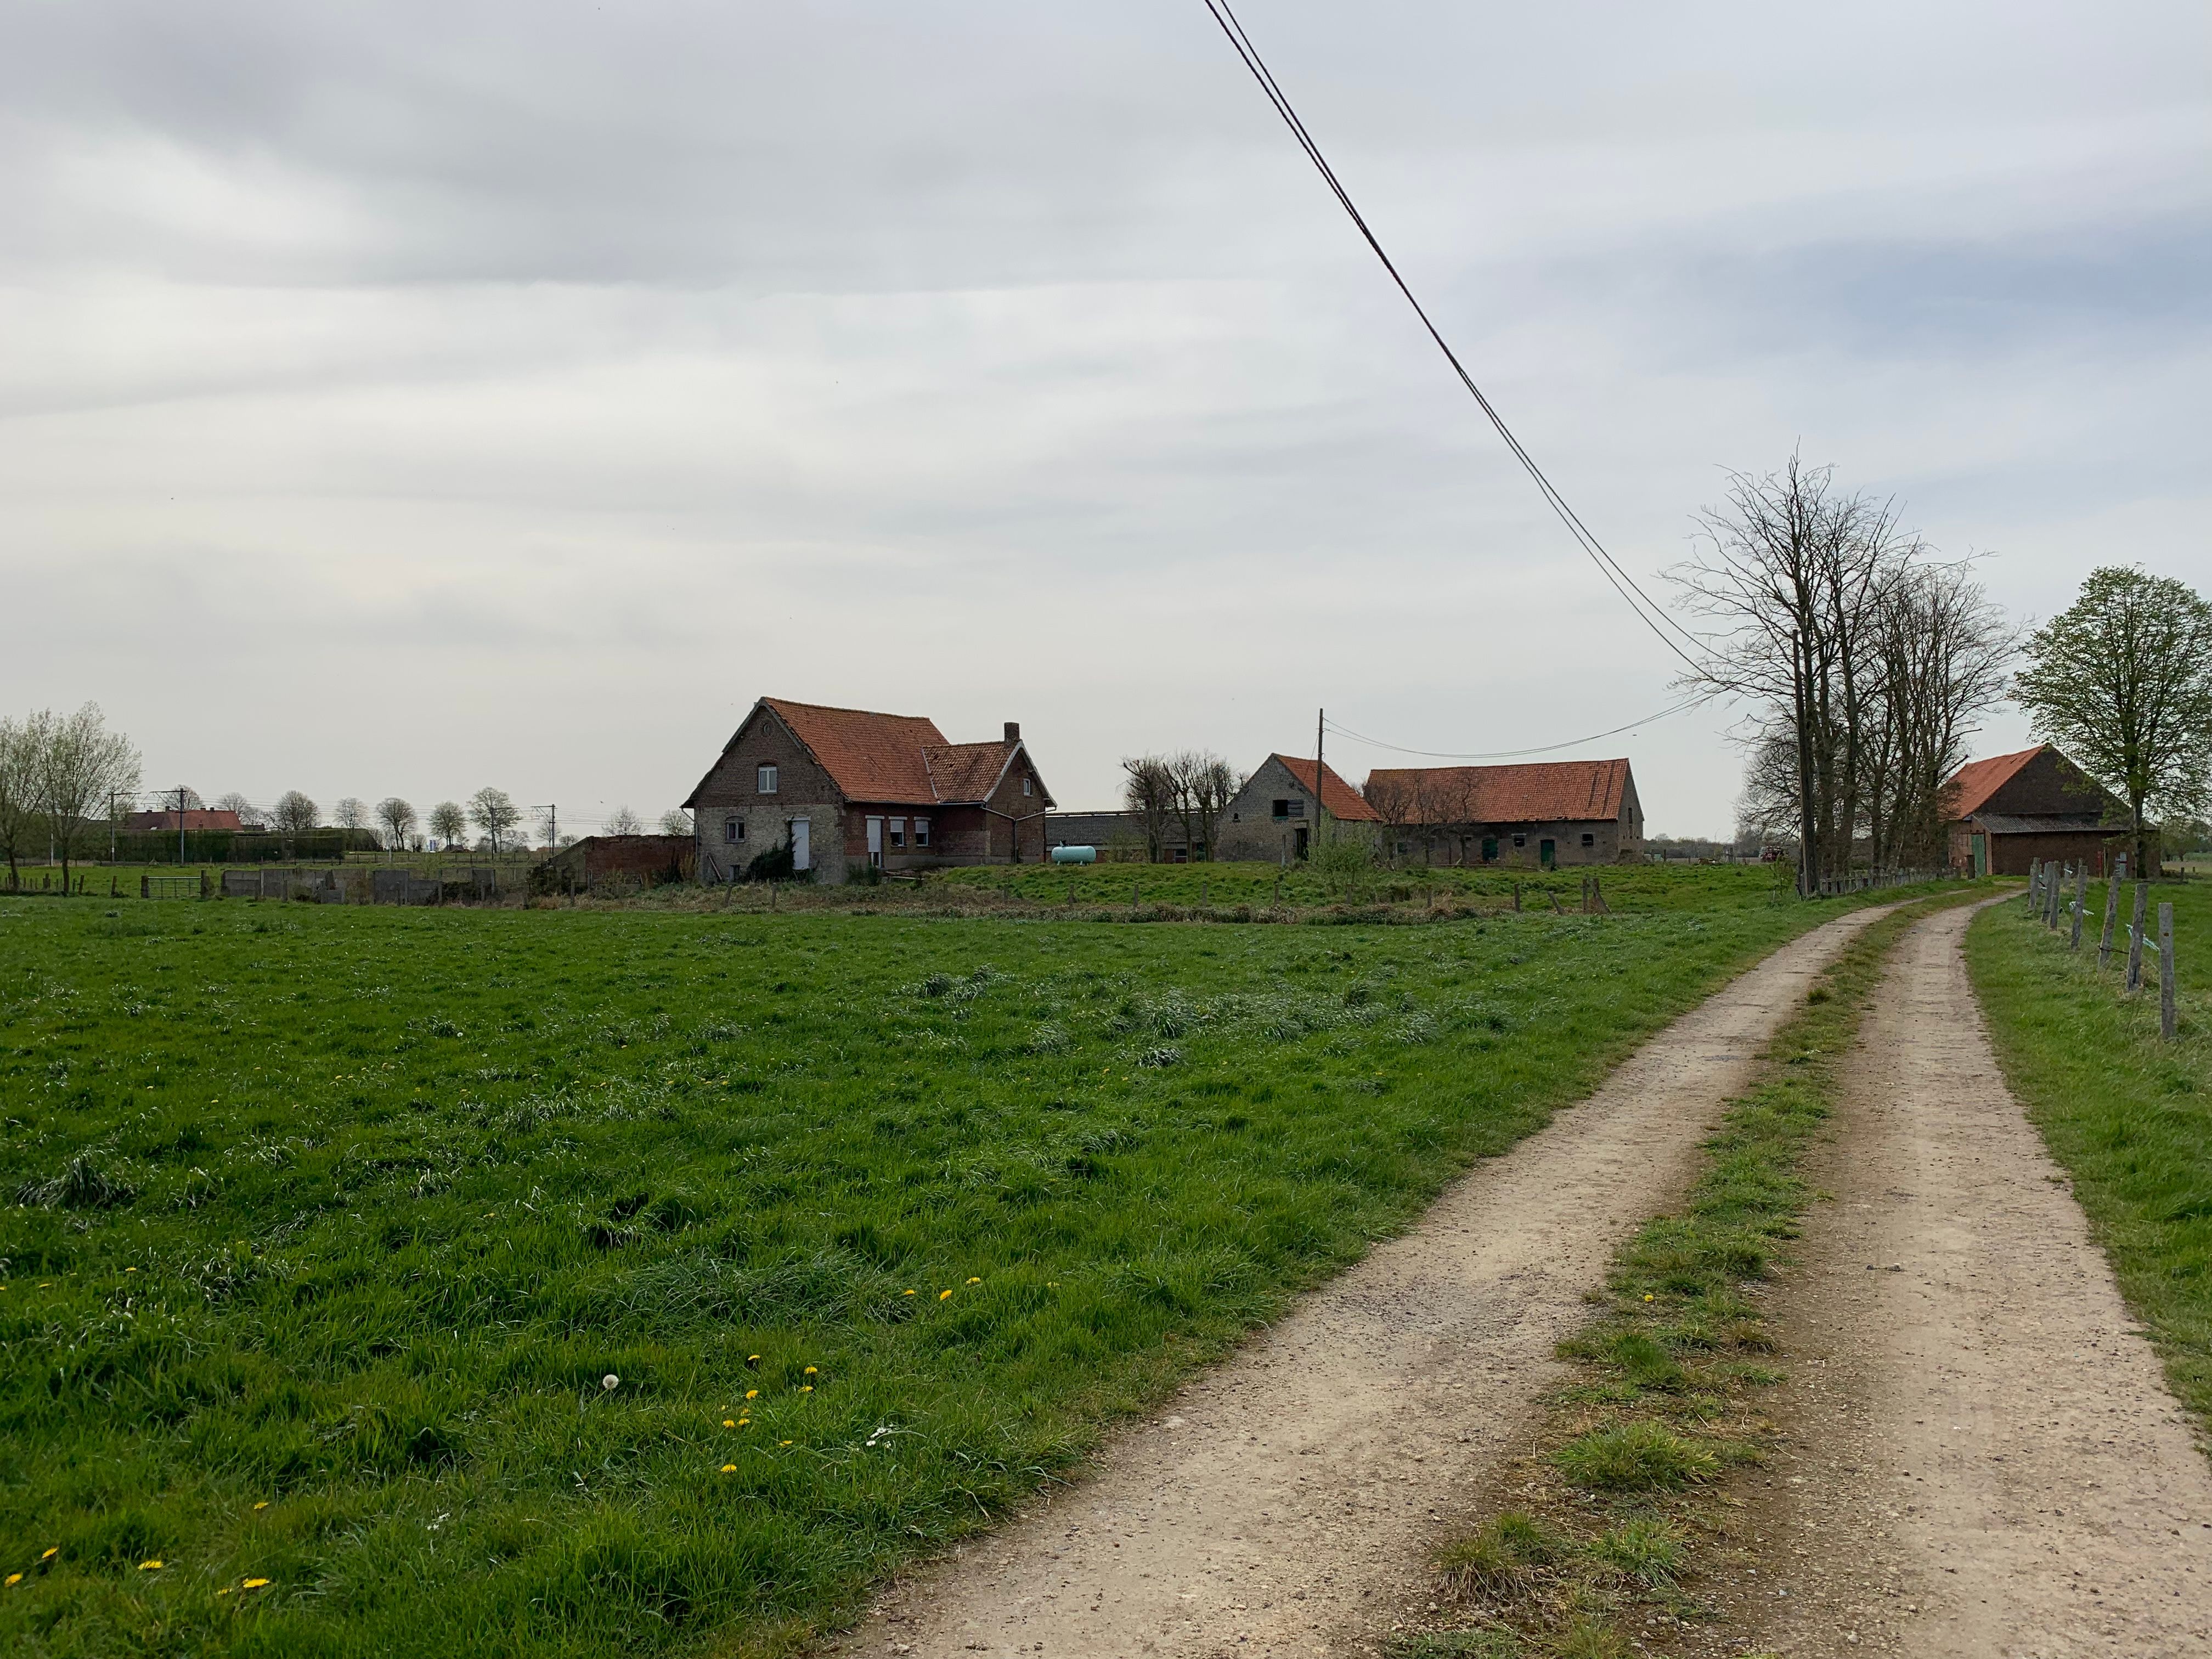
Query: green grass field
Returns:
{"type": "Point", "coordinates": [327, 1223]}
{"type": "Point", "coordinates": [2129, 1114]}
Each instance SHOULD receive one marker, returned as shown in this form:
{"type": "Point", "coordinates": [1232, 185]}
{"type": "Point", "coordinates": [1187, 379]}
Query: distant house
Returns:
{"type": "Point", "coordinates": [581, 866]}
{"type": "Point", "coordinates": [1547, 814]}
{"type": "Point", "coordinates": [2005, 812]}
{"type": "Point", "coordinates": [1273, 815]}
{"type": "Point", "coordinates": [196, 818]}
{"type": "Point", "coordinates": [847, 789]}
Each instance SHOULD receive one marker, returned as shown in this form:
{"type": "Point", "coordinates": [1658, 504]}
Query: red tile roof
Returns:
{"type": "Point", "coordinates": [900, 760]}
{"type": "Point", "coordinates": [1339, 798]}
{"type": "Point", "coordinates": [196, 817]}
{"type": "Point", "coordinates": [1973, 784]}
{"type": "Point", "coordinates": [1542, 792]}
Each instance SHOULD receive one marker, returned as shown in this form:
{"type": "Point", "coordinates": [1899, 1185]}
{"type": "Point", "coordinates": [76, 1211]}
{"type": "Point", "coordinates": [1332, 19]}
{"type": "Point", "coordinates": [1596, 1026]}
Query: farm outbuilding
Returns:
{"type": "Point", "coordinates": [1273, 816]}
{"type": "Point", "coordinates": [843, 791]}
{"type": "Point", "coordinates": [2007, 811]}
{"type": "Point", "coordinates": [642, 860]}
{"type": "Point", "coordinates": [1544, 814]}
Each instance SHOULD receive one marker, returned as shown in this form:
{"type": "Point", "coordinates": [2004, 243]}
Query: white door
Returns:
{"type": "Point", "coordinates": [802, 832]}
{"type": "Point", "coordinates": [875, 841]}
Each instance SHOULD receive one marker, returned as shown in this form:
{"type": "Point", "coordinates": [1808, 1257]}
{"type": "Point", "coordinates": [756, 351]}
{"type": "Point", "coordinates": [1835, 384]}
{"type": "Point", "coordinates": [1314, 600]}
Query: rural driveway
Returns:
{"type": "Point", "coordinates": [1982, 1457]}
{"type": "Point", "coordinates": [1284, 1499]}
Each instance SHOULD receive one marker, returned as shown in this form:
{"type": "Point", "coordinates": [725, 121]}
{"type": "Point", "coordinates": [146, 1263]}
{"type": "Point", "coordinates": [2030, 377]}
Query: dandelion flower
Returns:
{"type": "Point", "coordinates": [783, 1442]}
{"type": "Point", "coordinates": [729, 1468]}
{"type": "Point", "coordinates": [729, 1422]}
{"type": "Point", "coordinates": [130, 1270]}
{"type": "Point", "coordinates": [906, 1292]}
{"type": "Point", "coordinates": [945, 1296]}
{"type": "Point", "coordinates": [263, 1504]}
{"type": "Point", "coordinates": [50, 1553]}
{"type": "Point", "coordinates": [752, 1359]}
{"type": "Point", "coordinates": [744, 1423]}
{"type": "Point", "coordinates": [149, 1566]}
{"type": "Point", "coordinates": [752, 1394]}
{"type": "Point", "coordinates": [225, 1590]}
{"type": "Point", "coordinates": [14, 1578]}
{"type": "Point", "coordinates": [811, 1370]}
{"type": "Point", "coordinates": [611, 1382]}
{"type": "Point", "coordinates": [975, 1281]}
{"type": "Point", "coordinates": [1647, 1296]}
{"type": "Point", "coordinates": [806, 1388]}
{"type": "Point", "coordinates": [256, 1583]}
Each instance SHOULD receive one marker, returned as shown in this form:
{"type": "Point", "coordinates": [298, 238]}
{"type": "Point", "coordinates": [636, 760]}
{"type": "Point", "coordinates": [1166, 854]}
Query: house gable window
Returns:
{"type": "Point", "coordinates": [1029, 784]}
{"type": "Point", "coordinates": [764, 778]}
{"type": "Point", "coordinates": [734, 831]}
{"type": "Point", "coordinates": [1295, 807]}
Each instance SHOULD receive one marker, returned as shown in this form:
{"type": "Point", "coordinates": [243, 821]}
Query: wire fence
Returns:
{"type": "Point", "coordinates": [2047, 898]}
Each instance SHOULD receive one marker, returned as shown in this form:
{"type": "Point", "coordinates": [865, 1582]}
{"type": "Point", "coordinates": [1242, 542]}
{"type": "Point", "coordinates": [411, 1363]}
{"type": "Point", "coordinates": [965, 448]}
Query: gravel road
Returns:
{"type": "Point", "coordinates": [1983, 1458]}
{"type": "Point", "coordinates": [1286, 1499]}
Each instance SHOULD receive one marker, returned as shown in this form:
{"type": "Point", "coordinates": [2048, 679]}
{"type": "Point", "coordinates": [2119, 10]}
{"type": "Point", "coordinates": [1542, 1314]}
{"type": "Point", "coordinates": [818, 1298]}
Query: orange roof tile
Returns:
{"type": "Point", "coordinates": [1339, 798]}
{"type": "Point", "coordinates": [966, 771]}
{"type": "Point", "coordinates": [1540, 792]}
{"type": "Point", "coordinates": [1973, 784]}
{"type": "Point", "coordinates": [869, 756]}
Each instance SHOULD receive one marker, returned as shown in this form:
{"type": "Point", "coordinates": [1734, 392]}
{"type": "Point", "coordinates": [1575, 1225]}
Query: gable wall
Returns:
{"type": "Point", "coordinates": [802, 788]}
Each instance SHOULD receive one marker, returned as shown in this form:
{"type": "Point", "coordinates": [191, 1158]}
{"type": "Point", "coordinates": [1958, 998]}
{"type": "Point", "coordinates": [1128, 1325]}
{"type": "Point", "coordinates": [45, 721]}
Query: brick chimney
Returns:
{"type": "Point", "coordinates": [1013, 730]}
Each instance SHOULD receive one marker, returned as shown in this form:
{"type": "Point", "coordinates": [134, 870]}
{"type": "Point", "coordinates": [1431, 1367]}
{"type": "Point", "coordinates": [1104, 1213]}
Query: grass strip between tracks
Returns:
{"type": "Point", "coordinates": [1609, 1522]}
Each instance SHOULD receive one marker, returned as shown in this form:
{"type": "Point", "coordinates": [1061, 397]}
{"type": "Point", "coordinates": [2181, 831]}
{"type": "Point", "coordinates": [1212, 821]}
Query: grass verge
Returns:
{"type": "Point", "coordinates": [1616, 1508]}
{"type": "Point", "coordinates": [2128, 1114]}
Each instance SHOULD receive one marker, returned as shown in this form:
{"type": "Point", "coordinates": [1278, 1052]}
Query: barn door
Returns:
{"type": "Point", "coordinates": [1547, 852]}
{"type": "Point", "coordinates": [802, 843]}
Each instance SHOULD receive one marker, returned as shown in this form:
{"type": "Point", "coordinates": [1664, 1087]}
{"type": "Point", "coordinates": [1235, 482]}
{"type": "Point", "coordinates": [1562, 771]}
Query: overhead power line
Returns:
{"type": "Point", "coordinates": [1516, 754]}
{"type": "Point", "coordinates": [1647, 610]}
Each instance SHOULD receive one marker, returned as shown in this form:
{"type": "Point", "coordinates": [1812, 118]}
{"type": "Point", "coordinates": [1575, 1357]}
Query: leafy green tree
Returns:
{"type": "Point", "coordinates": [2121, 681]}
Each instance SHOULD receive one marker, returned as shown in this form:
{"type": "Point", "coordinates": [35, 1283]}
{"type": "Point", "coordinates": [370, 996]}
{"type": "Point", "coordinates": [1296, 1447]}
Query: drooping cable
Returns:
{"type": "Point", "coordinates": [1647, 610]}
{"type": "Point", "coordinates": [1516, 754]}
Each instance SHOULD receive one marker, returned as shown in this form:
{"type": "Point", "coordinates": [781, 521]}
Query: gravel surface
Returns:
{"type": "Point", "coordinates": [1981, 1455]}
{"type": "Point", "coordinates": [1287, 1501]}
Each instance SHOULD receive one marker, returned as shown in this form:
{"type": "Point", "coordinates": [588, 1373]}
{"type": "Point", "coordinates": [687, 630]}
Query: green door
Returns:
{"type": "Point", "coordinates": [1490, 849]}
{"type": "Point", "coordinates": [1547, 853]}
{"type": "Point", "coordinates": [1981, 844]}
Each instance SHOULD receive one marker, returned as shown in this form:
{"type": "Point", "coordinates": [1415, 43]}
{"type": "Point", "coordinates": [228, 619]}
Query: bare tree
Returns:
{"type": "Point", "coordinates": [493, 812]}
{"type": "Point", "coordinates": [1148, 789]}
{"type": "Point", "coordinates": [1200, 784]}
{"type": "Point", "coordinates": [676, 822]}
{"type": "Point", "coordinates": [2121, 681]}
{"type": "Point", "coordinates": [448, 822]}
{"type": "Point", "coordinates": [249, 815]}
{"type": "Point", "coordinates": [297, 812]}
{"type": "Point", "coordinates": [397, 820]}
{"type": "Point", "coordinates": [350, 813]}
{"type": "Point", "coordinates": [78, 770]}
{"type": "Point", "coordinates": [19, 804]}
{"type": "Point", "coordinates": [1395, 793]}
{"type": "Point", "coordinates": [623, 822]}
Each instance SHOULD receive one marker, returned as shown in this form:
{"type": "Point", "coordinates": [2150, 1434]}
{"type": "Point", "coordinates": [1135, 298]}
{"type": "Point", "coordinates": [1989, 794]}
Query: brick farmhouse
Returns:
{"type": "Point", "coordinates": [2005, 812]}
{"type": "Point", "coordinates": [847, 790]}
{"type": "Point", "coordinates": [1544, 814]}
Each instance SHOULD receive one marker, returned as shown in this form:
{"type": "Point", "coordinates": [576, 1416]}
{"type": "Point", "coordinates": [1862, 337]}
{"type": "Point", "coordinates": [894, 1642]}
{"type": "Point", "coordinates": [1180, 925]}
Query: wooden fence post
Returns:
{"type": "Point", "coordinates": [2081, 902]}
{"type": "Point", "coordinates": [2057, 889]}
{"type": "Point", "coordinates": [1516, 898]}
{"type": "Point", "coordinates": [2111, 910]}
{"type": "Point", "coordinates": [2034, 888]}
{"type": "Point", "coordinates": [2134, 938]}
{"type": "Point", "coordinates": [2165, 971]}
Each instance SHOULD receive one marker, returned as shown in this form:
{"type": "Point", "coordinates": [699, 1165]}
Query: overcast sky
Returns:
{"type": "Point", "coordinates": [400, 399]}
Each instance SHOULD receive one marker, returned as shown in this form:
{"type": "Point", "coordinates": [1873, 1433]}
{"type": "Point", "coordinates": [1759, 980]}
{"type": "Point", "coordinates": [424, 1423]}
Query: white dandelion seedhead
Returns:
{"type": "Point", "coordinates": [611, 1382]}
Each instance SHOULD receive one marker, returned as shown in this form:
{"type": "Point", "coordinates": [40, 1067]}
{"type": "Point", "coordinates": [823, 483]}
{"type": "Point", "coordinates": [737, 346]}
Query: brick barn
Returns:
{"type": "Point", "coordinates": [847, 789]}
{"type": "Point", "coordinates": [1544, 814]}
{"type": "Point", "coordinates": [2005, 812]}
{"type": "Point", "coordinates": [1272, 816]}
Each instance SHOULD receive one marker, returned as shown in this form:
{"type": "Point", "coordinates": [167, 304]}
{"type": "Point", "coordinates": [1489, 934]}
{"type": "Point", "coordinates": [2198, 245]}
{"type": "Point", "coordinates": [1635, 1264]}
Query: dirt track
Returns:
{"type": "Point", "coordinates": [1985, 1460]}
{"type": "Point", "coordinates": [1288, 1497]}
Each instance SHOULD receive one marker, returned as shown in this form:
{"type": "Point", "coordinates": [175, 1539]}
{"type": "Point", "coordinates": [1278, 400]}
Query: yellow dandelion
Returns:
{"type": "Point", "coordinates": [729, 1468]}
{"type": "Point", "coordinates": [130, 1270]}
{"type": "Point", "coordinates": [945, 1296]}
{"type": "Point", "coordinates": [744, 1423]}
{"type": "Point", "coordinates": [256, 1583]}
{"type": "Point", "coordinates": [149, 1566]}
{"type": "Point", "coordinates": [225, 1590]}
{"type": "Point", "coordinates": [906, 1292]}
{"type": "Point", "coordinates": [783, 1442]}
{"type": "Point", "coordinates": [263, 1504]}
{"type": "Point", "coordinates": [752, 1359]}
{"type": "Point", "coordinates": [811, 1370]}
{"type": "Point", "coordinates": [752, 1394]}
{"type": "Point", "coordinates": [14, 1578]}
{"type": "Point", "coordinates": [806, 1388]}
{"type": "Point", "coordinates": [50, 1553]}
{"type": "Point", "coordinates": [729, 1422]}
{"type": "Point", "coordinates": [1647, 1296]}
{"type": "Point", "coordinates": [975, 1281]}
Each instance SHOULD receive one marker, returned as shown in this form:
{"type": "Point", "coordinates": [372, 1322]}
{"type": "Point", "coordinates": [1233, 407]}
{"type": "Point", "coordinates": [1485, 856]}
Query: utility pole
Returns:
{"type": "Point", "coordinates": [111, 826]}
{"type": "Point", "coordinates": [1321, 724]}
{"type": "Point", "coordinates": [180, 826]}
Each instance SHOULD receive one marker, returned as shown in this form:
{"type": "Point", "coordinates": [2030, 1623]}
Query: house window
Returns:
{"type": "Point", "coordinates": [764, 778]}
{"type": "Point", "coordinates": [1295, 808]}
{"type": "Point", "coordinates": [897, 828]}
{"type": "Point", "coordinates": [922, 832]}
{"type": "Point", "coordinates": [734, 831]}
{"type": "Point", "coordinates": [1029, 784]}
{"type": "Point", "coordinates": [1520, 840]}
{"type": "Point", "coordinates": [1588, 840]}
